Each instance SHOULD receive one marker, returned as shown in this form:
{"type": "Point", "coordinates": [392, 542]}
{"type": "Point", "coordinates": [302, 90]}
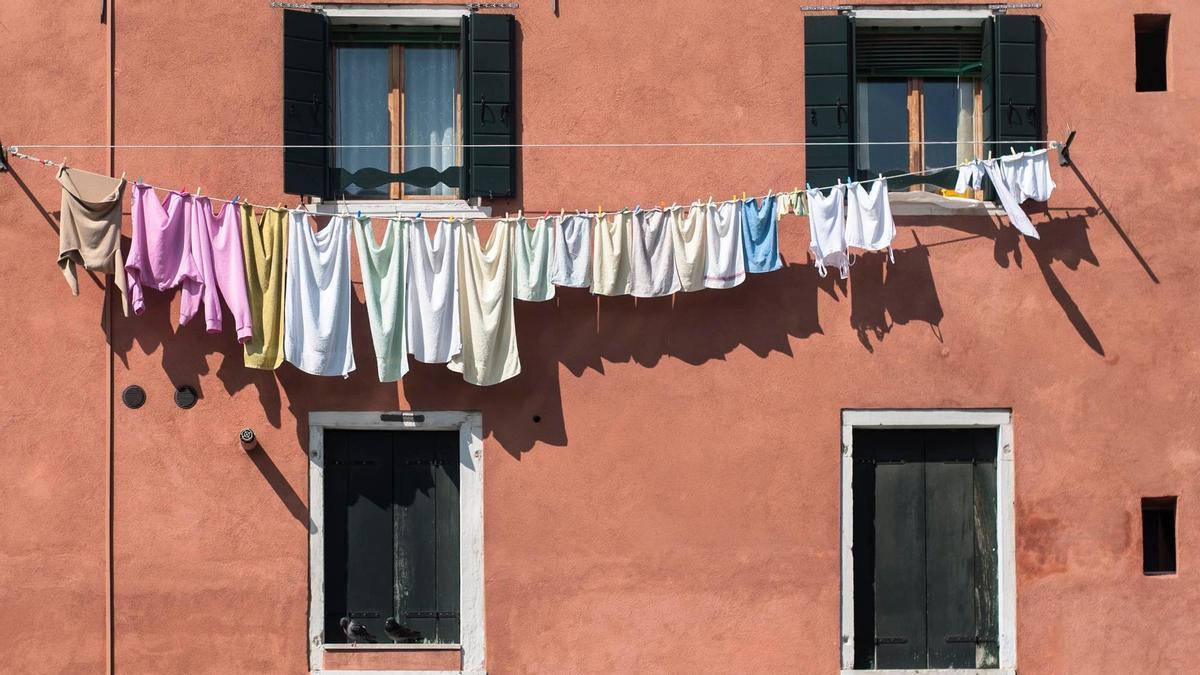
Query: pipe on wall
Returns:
{"type": "Point", "coordinates": [110, 657]}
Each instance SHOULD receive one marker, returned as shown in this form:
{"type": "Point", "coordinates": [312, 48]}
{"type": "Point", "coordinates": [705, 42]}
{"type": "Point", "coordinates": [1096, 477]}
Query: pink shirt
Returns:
{"type": "Point", "coordinates": [160, 255]}
{"type": "Point", "coordinates": [216, 244]}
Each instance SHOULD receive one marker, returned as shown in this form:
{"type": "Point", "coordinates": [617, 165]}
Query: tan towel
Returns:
{"type": "Point", "coordinates": [485, 302]}
{"type": "Point", "coordinates": [89, 228]}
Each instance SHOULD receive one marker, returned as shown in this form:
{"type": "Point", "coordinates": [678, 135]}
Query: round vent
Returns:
{"type": "Point", "coordinates": [185, 397]}
{"type": "Point", "coordinates": [247, 435]}
{"type": "Point", "coordinates": [133, 396]}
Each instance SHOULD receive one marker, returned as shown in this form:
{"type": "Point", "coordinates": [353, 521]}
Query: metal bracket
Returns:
{"type": "Point", "coordinates": [492, 5]}
{"type": "Point", "coordinates": [1064, 149]}
{"type": "Point", "coordinates": [3, 158]}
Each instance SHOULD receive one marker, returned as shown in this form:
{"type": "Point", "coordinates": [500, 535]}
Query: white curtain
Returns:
{"type": "Point", "coordinates": [362, 112]}
{"type": "Point", "coordinates": [965, 133]}
{"type": "Point", "coordinates": [430, 84]}
{"type": "Point", "coordinates": [862, 152]}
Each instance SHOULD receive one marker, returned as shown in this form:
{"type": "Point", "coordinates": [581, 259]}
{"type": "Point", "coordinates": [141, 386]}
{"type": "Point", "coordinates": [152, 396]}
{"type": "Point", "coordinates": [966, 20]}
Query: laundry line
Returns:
{"type": "Point", "coordinates": [346, 206]}
{"type": "Point", "coordinates": [387, 146]}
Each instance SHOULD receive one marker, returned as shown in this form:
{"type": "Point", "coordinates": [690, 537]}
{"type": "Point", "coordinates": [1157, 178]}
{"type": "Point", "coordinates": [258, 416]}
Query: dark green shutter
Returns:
{"type": "Point", "coordinates": [950, 547]}
{"type": "Point", "coordinates": [490, 105]}
{"type": "Point", "coordinates": [307, 104]}
{"type": "Point", "coordinates": [358, 534]}
{"type": "Point", "coordinates": [828, 98]}
{"type": "Point", "coordinates": [1018, 109]}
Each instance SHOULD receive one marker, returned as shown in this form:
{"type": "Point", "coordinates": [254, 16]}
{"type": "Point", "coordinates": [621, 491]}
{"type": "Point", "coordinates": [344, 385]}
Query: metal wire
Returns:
{"type": "Point", "coordinates": [259, 146]}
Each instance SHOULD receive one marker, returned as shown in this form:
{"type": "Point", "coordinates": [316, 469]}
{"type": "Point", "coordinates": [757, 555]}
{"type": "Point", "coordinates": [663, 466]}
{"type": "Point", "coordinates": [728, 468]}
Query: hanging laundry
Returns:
{"type": "Point", "coordinates": [573, 251]}
{"type": "Point", "coordinates": [264, 249]}
{"type": "Point", "coordinates": [869, 223]}
{"type": "Point", "coordinates": [652, 268]}
{"type": "Point", "coordinates": [533, 257]}
{"type": "Point", "coordinates": [1010, 202]}
{"type": "Point", "coordinates": [431, 309]}
{"type": "Point", "coordinates": [610, 256]}
{"type": "Point", "coordinates": [216, 242]}
{"type": "Point", "coordinates": [383, 277]}
{"type": "Point", "coordinates": [688, 237]}
{"type": "Point", "coordinates": [1027, 175]}
{"type": "Point", "coordinates": [725, 264]}
{"type": "Point", "coordinates": [827, 230]}
{"type": "Point", "coordinates": [783, 203]}
{"type": "Point", "coordinates": [760, 236]}
{"type": "Point", "coordinates": [485, 301]}
{"type": "Point", "coordinates": [160, 252]}
{"type": "Point", "coordinates": [799, 203]}
{"type": "Point", "coordinates": [317, 300]}
{"type": "Point", "coordinates": [89, 228]}
{"type": "Point", "coordinates": [970, 175]}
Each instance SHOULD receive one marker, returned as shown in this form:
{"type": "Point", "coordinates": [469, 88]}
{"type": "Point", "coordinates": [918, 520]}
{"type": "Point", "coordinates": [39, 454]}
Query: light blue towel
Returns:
{"type": "Point", "coordinates": [760, 236]}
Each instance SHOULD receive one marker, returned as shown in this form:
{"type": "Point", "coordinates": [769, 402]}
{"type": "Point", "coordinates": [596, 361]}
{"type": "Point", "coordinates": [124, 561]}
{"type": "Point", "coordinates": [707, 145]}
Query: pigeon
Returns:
{"type": "Point", "coordinates": [355, 631]}
{"type": "Point", "coordinates": [398, 632]}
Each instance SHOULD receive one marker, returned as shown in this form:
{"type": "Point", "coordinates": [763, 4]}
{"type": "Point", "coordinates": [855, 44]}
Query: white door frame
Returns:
{"type": "Point", "coordinates": [999, 419]}
{"type": "Point", "coordinates": [469, 426]}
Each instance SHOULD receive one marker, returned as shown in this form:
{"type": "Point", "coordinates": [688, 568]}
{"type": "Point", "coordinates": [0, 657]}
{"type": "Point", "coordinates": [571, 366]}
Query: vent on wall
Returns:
{"type": "Point", "coordinates": [1150, 44]}
{"type": "Point", "coordinates": [1158, 535]}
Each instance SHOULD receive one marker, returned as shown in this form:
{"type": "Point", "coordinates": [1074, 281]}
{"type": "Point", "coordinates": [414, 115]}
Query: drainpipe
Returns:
{"type": "Point", "coordinates": [109, 300]}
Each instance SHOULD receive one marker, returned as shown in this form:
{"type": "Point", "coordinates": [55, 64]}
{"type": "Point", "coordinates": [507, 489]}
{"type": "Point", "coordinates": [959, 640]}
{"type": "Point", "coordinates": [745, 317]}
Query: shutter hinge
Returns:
{"type": "Point", "coordinates": [298, 5]}
{"type": "Point", "coordinates": [492, 5]}
{"type": "Point", "coordinates": [431, 615]}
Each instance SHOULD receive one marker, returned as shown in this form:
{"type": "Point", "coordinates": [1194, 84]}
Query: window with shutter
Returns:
{"type": "Point", "coordinates": [925, 548]}
{"type": "Point", "coordinates": [392, 534]}
{"type": "Point", "coordinates": [915, 97]}
{"type": "Point", "coordinates": [399, 101]}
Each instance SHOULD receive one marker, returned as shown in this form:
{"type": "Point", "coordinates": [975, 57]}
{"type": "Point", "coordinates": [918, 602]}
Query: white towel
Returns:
{"type": "Point", "coordinates": [725, 264]}
{"type": "Point", "coordinates": [489, 332]}
{"type": "Point", "coordinates": [533, 257]}
{"type": "Point", "coordinates": [1027, 175]}
{"type": "Point", "coordinates": [652, 271]}
{"type": "Point", "coordinates": [688, 238]}
{"type": "Point", "coordinates": [869, 223]}
{"type": "Point", "coordinates": [431, 310]}
{"type": "Point", "coordinates": [1008, 200]}
{"type": "Point", "coordinates": [316, 335]}
{"type": "Point", "coordinates": [610, 256]}
{"type": "Point", "coordinates": [383, 279]}
{"type": "Point", "coordinates": [573, 251]}
{"type": "Point", "coordinates": [827, 229]}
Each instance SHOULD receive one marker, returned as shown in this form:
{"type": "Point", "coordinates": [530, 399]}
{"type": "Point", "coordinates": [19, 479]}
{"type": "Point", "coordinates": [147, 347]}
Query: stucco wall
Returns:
{"type": "Point", "coordinates": [676, 507]}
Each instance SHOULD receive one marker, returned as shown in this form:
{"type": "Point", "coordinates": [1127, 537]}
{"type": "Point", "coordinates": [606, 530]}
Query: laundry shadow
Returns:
{"type": "Point", "coordinates": [893, 290]}
{"type": "Point", "coordinates": [1066, 242]}
{"type": "Point", "coordinates": [1112, 220]}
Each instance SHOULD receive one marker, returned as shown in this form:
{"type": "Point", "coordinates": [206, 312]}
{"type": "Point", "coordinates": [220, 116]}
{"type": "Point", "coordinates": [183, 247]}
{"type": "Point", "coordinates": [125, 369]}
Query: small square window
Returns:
{"type": "Point", "coordinates": [1150, 43]}
{"type": "Point", "coordinates": [1158, 535]}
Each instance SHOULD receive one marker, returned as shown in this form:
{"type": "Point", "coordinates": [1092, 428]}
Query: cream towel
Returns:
{"type": "Point", "coordinates": [431, 308]}
{"type": "Point", "coordinates": [485, 306]}
{"type": "Point", "coordinates": [533, 260]}
{"type": "Point", "coordinates": [652, 268]}
{"type": "Point", "coordinates": [725, 265]}
{"type": "Point", "coordinates": [688, 238]}
{"type": "Point", "coordinates": [316, 337]}
{"type": "Point", "coordinates": [573, 251]}
{"type": "Point", "coordinates": [610, 255]}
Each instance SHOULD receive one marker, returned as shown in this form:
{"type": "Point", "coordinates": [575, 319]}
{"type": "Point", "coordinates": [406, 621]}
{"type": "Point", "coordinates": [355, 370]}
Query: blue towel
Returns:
{"type": "Point", "coordinates": [760, 236]}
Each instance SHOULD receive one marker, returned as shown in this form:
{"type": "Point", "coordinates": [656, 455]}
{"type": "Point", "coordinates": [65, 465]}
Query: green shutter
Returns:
{"type": "Point", "coordinates": [1018, 109]}
{"type": "Point", "coordinates": [358, 539]}
{"type": "Point", "coordinates": [950, 546]}
{"type": "Point", "coordinates": [306, 102]}
{"type": "Point", "coordinates": [828, 98]}
{"type": "Point", "coordinates": [490, 105]}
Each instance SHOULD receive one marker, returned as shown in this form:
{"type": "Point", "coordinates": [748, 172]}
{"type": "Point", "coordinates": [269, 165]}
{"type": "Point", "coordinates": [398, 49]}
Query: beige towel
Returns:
{"type": "Point", "coordinates": [89, 228]}
{"type": "Point", "coordinates": [688, 237]}
{"type": "Point", "coordinates": [485, 306]}
{"type": "Point", "coordinates": [610, 254]}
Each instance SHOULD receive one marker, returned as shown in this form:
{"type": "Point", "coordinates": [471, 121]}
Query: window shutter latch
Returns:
{"type": "Point", "coordinates": [841, 108]}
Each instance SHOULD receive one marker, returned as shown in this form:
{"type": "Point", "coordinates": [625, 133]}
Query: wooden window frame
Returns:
{"type": "Point", "coordinates": [470, 428]}
{"type": "Point", "coordinates": [1005, 519]}
{"type": "Point", "coordinates": [916, 127]}
{"type": "Point", "coordinates": [396, 94]}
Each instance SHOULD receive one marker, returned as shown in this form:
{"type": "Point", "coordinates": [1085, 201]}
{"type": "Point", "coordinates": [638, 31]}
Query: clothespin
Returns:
{"type": "Point", "coordinates": [989, 155]}
{"type": "Point", "coordinates": [562, 212]}
{"type": "Point", "coordinates": [358, 215]}
{"type": "Point", "coordinates": [807, 185]}
{"type": "Point", "coordinates": [743, 195]}
{"type": "Point", "coordinates": [122, 175]}
{"type": "Point", "coordinates": [1012, 150]}
{"type": "Point", "coordinates": [139, 180]}
{"type": "Point", "coordinates": [197, 190]}
{"type": "Point", "coordinates": [235, 199]}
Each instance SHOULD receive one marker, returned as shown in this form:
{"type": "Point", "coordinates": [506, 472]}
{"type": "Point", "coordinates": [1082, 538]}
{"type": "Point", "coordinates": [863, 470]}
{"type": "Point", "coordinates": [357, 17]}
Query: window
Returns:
{"type": "Point", "coordinates": [928, 552]}
{"type": "Point", "coordinates": [895, 91]}
{"type": "Point", "coordinates": [396, 93]}
{"type": "Point", "coordinates": [396, 541]}
{"type": "Point", "coordinates": [919, 88]}
{"type": "Point", "coordinates": [1158, 535]}
{"type": "Point", "coordinates": [438, 77]}
{"type": "Point", "coordinates": [1150, 42]}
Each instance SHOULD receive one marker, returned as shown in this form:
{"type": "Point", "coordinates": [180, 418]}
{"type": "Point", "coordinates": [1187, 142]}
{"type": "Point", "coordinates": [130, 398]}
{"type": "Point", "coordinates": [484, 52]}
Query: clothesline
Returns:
{"type": "Point", "coordinates": [345, 206]}
{"type": "Point", "coordinates": [268, 146]}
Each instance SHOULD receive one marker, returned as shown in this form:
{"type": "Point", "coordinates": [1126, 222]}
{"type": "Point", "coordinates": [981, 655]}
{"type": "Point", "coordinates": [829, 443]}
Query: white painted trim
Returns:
{"type": "Point", "coordinates": [405, 208]}
{"type": "Point", "coordinates": [934, 671]}
{"type": "Point", "coordinates": [407, 15]}
{"type": "Point", "coordinates": [470, 499]}
{"type": "Point", "coordinates": [922, 17]}
{"type": "Point", "coordinates": [398, 647]}
{"type": "Point", "coordinates": [1000, 419]}
{"type": "Point", "coordinates": [403, 672]}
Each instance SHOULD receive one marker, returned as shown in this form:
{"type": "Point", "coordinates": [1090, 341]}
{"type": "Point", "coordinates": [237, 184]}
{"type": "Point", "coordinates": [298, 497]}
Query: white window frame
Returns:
{"type": "Point", "coordinates": [998, 419]}
{"type": "Point", "coordinates": [469, 426]}
{"type": "Point", "coordinates": [400, 15]}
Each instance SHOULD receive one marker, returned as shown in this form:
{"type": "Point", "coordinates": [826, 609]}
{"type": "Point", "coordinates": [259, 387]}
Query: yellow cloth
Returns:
{"type": "Point", "coordinates": [264, 245]}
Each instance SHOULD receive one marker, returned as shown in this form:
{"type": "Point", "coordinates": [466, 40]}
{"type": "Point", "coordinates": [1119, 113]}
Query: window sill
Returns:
{"type": "Point", "coordinates": [409, 647]}
{"type": "Point", "coordinates": [405, 208]}
{"type": "Point", "coordinates": [929, 204]}
{"type": "Point", "coordinates": [934, 671]}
